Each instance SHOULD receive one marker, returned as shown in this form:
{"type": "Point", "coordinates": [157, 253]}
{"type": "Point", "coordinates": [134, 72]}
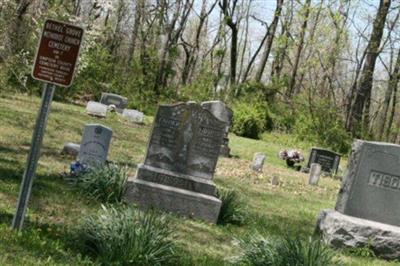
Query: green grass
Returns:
{"type": "Point", "coordinates": [55, 207]}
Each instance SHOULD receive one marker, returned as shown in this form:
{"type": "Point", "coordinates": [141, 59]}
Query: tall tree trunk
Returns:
{"type": "Point", "coordinates": [389, 94]}
{"type": "Point", "coordinates": [135, 30]}
{"type": "Point", "coordinates": [303, 29]}
{"type": "Point", "coordinates": [362, 100]}
{"type": "Point", "coordinates": [15, 37]}
{"type": "Point", "coordinates": [392, 113]}
{"type": "Point", "coordinates": [281, 52]}
{"type": "Point", "coordinates": [228, 8]}
{"type": "Point", "coordinates": [270, 39]}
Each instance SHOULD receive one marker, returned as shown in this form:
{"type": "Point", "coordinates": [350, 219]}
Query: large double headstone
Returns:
{"type": "Point", "coordinates": [367, 209]}
{"type": "Point", "coordinates": [118, 101]}
{"type": "Point", "coordinates": [180, 162]}
{"type": "Point", "coordinates": [225, 114]}
{"type": "Point", "coordinates": [95, 145]}
{"type": "Point", "coordinates": [328, 160]}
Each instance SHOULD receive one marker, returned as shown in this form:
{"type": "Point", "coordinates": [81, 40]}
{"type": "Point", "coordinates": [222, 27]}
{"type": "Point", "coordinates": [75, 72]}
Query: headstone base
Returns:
{"type": "Point", "coordinates": [173, 192]}
{"type": "Point", "coordinates": [178, 180]}
{"type": "Point", "coordinates": [343, 231]}
{"type": "Point", "coordinates": [148, 195]}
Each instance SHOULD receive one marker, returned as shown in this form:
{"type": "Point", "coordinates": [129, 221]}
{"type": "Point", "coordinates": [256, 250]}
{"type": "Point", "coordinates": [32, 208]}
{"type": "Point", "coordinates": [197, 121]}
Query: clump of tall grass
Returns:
{"type": "Point", "coordinates": [105, 183]}
{"type": "Point", "coordinates": [233, 209]}
{"type": "Point", "coordinates": [127, 236]}
{"type": "Point", "coordinates": [259, 250]}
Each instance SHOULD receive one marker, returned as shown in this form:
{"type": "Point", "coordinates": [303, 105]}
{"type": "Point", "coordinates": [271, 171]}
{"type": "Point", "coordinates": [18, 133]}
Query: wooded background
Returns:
{"type": "Point", "coordinates": [325, 70]}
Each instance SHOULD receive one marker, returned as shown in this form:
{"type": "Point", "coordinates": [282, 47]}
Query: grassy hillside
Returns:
{"type": "Point", "coordinates": [55, 208]}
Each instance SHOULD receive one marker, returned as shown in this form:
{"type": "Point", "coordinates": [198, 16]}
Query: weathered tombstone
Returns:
{"type": "Point", "coordinates": [96, 109]}
{"type": "Point", "coordinates": [367, 209]}
{"type": "Point", "coordinates": [118, 101]}
{"type": "Point", "coordinates": [95, 144]}
{"type": "Point", "coordinates": [71, 149]}
{"type": "Point", "coordinates": [328, 160]}
{"type": "Point", "coordinates": [258, 162]}
{"type": "Point", "coordinates": [275, 180]}
{"type": "Point", "coordinates": [315, 173]}
{"type": "Point", "coordinates": [223, 113]}
{"type": "Point", "coordinates": [180, 163]}
{"type": "Point", "coordinates": [133, 116]}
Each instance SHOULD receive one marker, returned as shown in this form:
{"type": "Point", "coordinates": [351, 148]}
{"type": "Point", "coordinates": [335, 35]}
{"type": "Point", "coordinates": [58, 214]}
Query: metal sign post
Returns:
{"type": "Point", "coordinates": [33, 157]}
{"type": "Point", "coordinates": [55, 63]}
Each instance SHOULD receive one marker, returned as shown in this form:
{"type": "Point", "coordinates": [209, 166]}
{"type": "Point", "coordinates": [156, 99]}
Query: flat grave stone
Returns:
{"type": "Point", "coordinates": [180, 162]}
{"type": "Point", "coordinates": [328, 160]}
{"type": "Point", "coordinates": [95, 145]}
{"type": "Point", "coordinates": [71, 149]}
{"type": "Point", "coordinates": [133, 116]}
{"type": "Point", "coordinates": [118, 101]}
{"type": "Point", "coordinates": [96, 109]}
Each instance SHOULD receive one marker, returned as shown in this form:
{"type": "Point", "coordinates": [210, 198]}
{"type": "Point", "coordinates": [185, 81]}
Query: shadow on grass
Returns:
{"type": "Point", "coordinates": [41, 240]}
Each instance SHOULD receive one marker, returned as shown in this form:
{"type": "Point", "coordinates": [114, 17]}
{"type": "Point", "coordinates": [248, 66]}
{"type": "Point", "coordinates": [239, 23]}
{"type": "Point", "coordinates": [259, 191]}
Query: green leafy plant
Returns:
{"type": "Point", "coordinates": [259, 250]}
{"type": "Point", "coordinates": [364, 251]}
{"type": "Point", "coordinates": [127, 236]}
{"type": "Point", "coordinates": [106, 184]}
{"type": "Point", "coordinates": [249, 120]}
{"type": "Point", "coordinates": [232, 208]}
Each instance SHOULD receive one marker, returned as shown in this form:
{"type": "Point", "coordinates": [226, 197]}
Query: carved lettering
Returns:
{"type": "Point", "coordinates": [382, 180]}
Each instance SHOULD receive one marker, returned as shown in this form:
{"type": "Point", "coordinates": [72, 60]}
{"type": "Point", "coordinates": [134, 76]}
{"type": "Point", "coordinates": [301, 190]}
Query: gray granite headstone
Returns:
{"type": "Point", "coordinates": [367, 209]}
{"type": "Point", "coordinates": [328, 160]}
{"type": "Point", "coordinates": [96, 109]}
{"type": "Point", "coordinates": [95, 144]}
{"type": "Point", "coordinates": [258, 162]}
{"type": "Point", "coordinates": [371, 186]}
{"type": "Point", "coordinates": [180, 163]}
{"type": "Point", "coordinates": [118, 101]}
{"type": "Point", "coordinates": [315, 173]}
{"type": "Point", "coordinates": [133, 116]}
{"type": "Point", "coordinates": [223, 113]}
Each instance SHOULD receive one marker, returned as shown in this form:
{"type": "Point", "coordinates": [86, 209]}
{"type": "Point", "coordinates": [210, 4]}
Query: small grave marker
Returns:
{"type": "Point", "coordinates": [95, 144]}
{"type": "Point", "coordinates": [315, 173]}
{"type": "Point", "coordinates": [258, 162]}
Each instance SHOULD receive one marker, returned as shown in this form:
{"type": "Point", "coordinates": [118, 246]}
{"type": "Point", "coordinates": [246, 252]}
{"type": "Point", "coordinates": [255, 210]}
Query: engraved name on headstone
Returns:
{"type": "Point", "coordinates": [371, 187]}
{"type": "Point", "coordinates": [223, 113]}
{"type": "Point", "coordinates": [180, 162]}
{"type": "Point", "coordinates": [185, 139]}
{"type": "Point", "coordinates": [367, 209]}
{"type": "Point", "coordinates": [118, 101]}
{"type": "Point", "coordinates": [95, 145]}
{"type": "Point", "coordinates": [328, 160]}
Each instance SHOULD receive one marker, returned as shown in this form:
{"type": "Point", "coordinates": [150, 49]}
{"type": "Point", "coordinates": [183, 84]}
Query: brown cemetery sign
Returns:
{"type": "Point", "coordinates": [57, 53]}
{"type": "Point", "coordinates": [55, 65]}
